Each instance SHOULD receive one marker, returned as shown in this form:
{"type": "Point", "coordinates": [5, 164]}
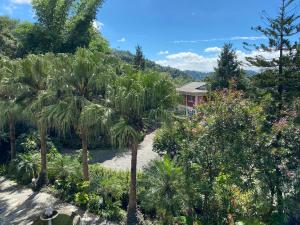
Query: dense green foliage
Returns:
{"type": "Point", "coordinates": [62, 26]}
{"type": "Point", "coordinates": [229, 161]}
{"type": "Point", "coordinates": [162, 185]}
{"type": "Point", "coordinates": [8, 42]}
{"type": "Point", "coordinates": [93, 95]}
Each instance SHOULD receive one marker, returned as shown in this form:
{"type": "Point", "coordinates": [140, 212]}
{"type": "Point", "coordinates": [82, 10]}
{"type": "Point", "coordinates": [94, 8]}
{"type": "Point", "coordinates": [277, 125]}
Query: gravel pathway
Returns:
{"type": "Point", "coordinates": [121, 159]}
{"type": "Point", "coordinates": [145, 155]}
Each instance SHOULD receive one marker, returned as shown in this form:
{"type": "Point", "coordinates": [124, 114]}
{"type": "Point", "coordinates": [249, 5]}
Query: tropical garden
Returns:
{"type": "Point", "coordinates": [236, 161]}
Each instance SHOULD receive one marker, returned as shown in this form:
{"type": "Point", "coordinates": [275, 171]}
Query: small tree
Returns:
{"type": "Point", "coordinates": [139, 59]}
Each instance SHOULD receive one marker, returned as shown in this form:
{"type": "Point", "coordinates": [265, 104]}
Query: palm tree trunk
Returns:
{"type": "Point", "coordinates": [85, 165]}
{"type": "Point", "coordinates": [43, 135]}
{"type": "Point", "coordinates": [43, 178]}
{"type": "Point", "coordinates": [12, 137]}
{"type": "Point", "coordinates": [131, 211]}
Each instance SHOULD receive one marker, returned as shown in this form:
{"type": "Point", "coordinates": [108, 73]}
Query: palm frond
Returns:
{"type": "Point", "coordinates": [123, 135]}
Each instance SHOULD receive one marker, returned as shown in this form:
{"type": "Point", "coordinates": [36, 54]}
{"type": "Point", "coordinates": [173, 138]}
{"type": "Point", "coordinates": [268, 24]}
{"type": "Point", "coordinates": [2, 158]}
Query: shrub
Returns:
{"type": "Point", "coordinates": [28, 142]}
{"type": "Point", "coordinates": [111, 187]}
{"type": "Point", "coordinates": [168, 140]}
{"type": "Point", "coordinates": [60, 167]}
{"type": "Point", "coordinates": [3, 170]}
{"type": "Point", "coordinates": [67, 188]}
{"type": "Point", "coordinates": [103, 195]}
{"type": "Point", "coordinates": [25, 167]}
{"type": "Point", "coordinates": [82, 199]}
{"type": "Point", "coordinates": [162, 190]}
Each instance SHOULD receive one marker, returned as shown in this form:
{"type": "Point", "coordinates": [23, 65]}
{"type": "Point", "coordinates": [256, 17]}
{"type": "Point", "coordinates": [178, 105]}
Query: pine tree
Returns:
{"type": "Point", "coordinates": [279, 31]}
{"type": "Point", "coordinates": [228, 69]}
{"type": "Point", "coordinates": [139, 59]}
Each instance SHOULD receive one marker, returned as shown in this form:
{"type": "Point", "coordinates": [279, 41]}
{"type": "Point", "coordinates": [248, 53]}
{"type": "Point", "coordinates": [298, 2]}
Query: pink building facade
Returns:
{"type": "Point", "coordinates": [192, 94]}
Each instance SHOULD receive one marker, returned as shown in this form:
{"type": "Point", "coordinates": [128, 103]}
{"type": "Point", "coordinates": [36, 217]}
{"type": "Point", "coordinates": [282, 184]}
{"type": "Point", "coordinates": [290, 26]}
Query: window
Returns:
{"type": "Point", "coordinates": [190, 98]}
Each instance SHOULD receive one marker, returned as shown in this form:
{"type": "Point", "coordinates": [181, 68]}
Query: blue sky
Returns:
{"type": "Point", "coordinates": [186, 34]}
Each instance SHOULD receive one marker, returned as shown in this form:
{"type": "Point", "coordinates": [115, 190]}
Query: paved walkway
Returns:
{"type": "Point", "coordinates": [122, 160]}
{"type": "Point", "coordinates": [21, 206]}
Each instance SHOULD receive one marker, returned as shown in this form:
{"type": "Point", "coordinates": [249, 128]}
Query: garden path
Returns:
{"type": "Point", "coordinates": [21, 206]}
{"type": "Point", "coordinates": [121, 160]}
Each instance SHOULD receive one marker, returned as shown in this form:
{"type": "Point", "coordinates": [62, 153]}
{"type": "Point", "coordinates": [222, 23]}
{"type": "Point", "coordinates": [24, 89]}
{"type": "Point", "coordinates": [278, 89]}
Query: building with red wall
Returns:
{"type": "Point", "coordinates": [192, 94]}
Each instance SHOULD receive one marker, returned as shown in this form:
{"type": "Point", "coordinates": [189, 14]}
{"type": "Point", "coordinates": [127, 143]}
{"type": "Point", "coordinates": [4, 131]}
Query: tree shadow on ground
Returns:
{"type": "Point", "coordinates": [20, 211]}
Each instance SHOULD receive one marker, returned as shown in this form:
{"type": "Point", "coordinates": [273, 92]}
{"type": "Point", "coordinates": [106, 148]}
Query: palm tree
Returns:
{"type": "Point", "coordinates": [9, 90]}
{"type": "Point", "coordinates": [137, 98]}
{"type": "Point", "coordinates": [164, 180]}
{"type": "Point", "coordinates": [81, 89]}
{"type": "Point", "coordinates": [37, 71]}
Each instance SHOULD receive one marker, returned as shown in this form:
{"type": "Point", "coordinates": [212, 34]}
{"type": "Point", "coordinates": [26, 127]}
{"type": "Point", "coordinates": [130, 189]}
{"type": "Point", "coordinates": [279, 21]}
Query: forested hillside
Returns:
{"type": "Point", "coordinates": [128, 57]}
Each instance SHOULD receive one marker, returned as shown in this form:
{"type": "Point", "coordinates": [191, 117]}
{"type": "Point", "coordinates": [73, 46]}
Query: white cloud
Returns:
{"type": "Point", "coordinates": [242, 57]}
{"type": "Point", "coordinates": [189, 61]}
{"type": "Point", "coordinates": [253, 38]}
{"type": "Point", "coordinates": [121, 40]}
{"type": "Point", "coordinates": [236, 38]}
{"type": "Point", "coordinates": [20, 2]}
{"type": "Point", "coordinates": [163, 53]}
{"type": "Point", "coordinates": [213, 50]}
{"type": "Point", "coordinates": [98, 25]}
{"type": "Point", "coordinates": [194, 61]}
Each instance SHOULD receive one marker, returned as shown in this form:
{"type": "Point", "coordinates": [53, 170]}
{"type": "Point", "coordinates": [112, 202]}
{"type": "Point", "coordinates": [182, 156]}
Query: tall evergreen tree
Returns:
{"type": "Point", "coordinates": [139, 59]}
{"type": "Point", "coordinates": [279, 31]}
{"type": "Point", "coordinates": [228, 69]}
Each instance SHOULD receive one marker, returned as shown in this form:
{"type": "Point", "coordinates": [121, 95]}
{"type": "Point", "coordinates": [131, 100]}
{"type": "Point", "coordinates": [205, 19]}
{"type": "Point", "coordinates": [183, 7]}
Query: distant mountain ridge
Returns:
{"type": "Point", "coordinates": [198, 75]}
{"type": "Point", "coordinates": [128, 57]}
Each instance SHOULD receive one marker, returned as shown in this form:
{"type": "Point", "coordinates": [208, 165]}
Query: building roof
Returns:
{"type": "Point", "coordinates": [193, 88]}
